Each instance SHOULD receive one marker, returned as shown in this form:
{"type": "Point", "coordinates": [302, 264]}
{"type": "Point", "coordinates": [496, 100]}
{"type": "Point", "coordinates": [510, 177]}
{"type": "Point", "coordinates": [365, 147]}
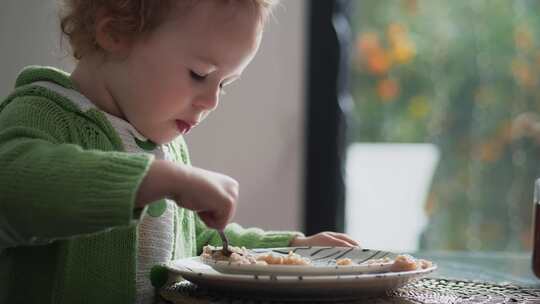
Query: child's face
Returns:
{"type": "Point", "coordinates": [172, 80]}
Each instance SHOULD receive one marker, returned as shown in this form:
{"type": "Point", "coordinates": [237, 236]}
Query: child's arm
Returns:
{"type": "Point", "coordinates": [248, 237]}
{"type": "Point", "coordinates": [212, 195]}
{"type": "Point", "coordinates": [326, 238]}
{"type": "Point", "coordinates": [50, 190]}
{"type": "Point", "coordinates": [257, 238]}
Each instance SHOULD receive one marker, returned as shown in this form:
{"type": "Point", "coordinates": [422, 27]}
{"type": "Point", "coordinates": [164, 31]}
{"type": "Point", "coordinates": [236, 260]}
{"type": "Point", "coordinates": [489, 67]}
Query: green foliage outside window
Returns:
{"type": "Point", "coordinates": [463, 75]}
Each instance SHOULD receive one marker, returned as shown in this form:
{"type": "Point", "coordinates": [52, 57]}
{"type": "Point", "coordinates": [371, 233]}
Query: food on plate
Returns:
{"type": "Point", "coordinates": [406, 262]}
{"type": "Point", "coordinates": [241, 255]}
{"type": "Point", "coordinates": [344, 262]}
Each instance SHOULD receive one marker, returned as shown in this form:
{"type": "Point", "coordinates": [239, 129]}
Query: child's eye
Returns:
{"type": "Point", "coordinates": [199, 77]}
{"type": "Point", "coordinates": [196, 76]}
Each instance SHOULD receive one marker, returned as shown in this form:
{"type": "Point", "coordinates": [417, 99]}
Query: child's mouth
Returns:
{"type": "Point", "coordinates": [182, 126]}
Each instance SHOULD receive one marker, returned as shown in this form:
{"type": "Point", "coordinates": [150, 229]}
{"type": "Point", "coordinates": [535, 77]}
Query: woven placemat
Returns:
{"type": "Point", "coordinates": [427, 290]}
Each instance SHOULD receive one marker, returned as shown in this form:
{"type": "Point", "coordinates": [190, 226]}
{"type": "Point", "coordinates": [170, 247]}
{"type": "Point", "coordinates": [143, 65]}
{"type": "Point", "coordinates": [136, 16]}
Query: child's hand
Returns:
{"type": "Point", "coordinates": [212, 195]}
{"type": "Point", "coordinates": [325, 239]}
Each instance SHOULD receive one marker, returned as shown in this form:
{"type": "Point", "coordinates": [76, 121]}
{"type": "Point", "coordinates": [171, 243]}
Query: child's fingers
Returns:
{"type": "Point", "coordinates": [339, 242]}
{"type": "Point", "coordinates": [212, 221]}
{"type": "Point", "coordinates": [208, 219]}
{"type": "Point", "coordinates": [345, 237]}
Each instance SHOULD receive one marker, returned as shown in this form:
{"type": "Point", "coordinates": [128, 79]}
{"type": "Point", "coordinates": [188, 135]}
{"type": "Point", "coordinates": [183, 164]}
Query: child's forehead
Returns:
{"type": "Point", "coordinates": [217, 27]}
{"type": "Point", "coordinates": [205, 38]}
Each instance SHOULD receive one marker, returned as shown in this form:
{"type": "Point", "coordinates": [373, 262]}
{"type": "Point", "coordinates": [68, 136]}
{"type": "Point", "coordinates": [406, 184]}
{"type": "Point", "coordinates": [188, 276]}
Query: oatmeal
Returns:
{"type": "Point", "coordinates": [344, 262]}
{"type": "Point", "coordinates": [406, 262]}
{"type": "Point", "coordinates": [290, 259]}
{"type": "Point", "coordinates": [216, 253]}
{"type": "Point", "coordinates": [241, 255]}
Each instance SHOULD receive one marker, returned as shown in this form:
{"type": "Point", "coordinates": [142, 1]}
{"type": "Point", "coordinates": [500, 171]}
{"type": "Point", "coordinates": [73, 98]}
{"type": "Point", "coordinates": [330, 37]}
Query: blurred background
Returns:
{"type": "Point", "coordinates": [459, 79]}
{"type": "Point", "coordinates": [442, 133]}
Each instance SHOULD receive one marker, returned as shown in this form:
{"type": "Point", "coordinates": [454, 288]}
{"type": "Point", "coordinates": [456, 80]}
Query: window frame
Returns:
{"type": "Point", "coordinates": [327, 107]}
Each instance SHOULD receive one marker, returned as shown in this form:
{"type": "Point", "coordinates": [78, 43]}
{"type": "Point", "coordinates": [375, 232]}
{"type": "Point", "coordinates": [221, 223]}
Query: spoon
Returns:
{"type": "Point", "coordinates": [225, 249]}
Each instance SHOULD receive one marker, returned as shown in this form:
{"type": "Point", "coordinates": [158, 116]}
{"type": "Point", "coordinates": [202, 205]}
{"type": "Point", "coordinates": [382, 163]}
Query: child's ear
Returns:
{"type": "Point", "coordinates": [111, 42]}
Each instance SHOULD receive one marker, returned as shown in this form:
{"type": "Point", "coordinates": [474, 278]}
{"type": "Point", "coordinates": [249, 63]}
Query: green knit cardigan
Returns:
{"type": "Point", "coordinates": [67, 189]}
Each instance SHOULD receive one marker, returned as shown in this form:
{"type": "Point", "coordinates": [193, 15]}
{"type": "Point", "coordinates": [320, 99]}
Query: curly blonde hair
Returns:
{"type": "Point", "coordinates": [130, 19]}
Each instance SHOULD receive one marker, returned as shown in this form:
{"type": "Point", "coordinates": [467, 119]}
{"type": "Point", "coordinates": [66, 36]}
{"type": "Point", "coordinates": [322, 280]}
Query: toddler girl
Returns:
{"type": "Point", "coordinates": [96, 183]}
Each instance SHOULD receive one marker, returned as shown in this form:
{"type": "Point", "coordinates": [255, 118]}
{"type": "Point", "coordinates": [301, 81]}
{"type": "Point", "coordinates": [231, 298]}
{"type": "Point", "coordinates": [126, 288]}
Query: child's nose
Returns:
{"type": "Point", "coordinates": [208, 100]}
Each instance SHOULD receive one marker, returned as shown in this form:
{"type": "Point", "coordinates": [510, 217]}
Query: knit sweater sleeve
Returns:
{"type": "Point", "coordinates": [240, 236]}
{"type": "Point", "coordinates": [50, 189]}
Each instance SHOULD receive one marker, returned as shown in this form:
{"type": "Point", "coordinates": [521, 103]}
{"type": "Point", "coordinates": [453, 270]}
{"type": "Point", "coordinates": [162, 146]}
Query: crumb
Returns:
{"type": "Point", "coordinates": [344, 262]}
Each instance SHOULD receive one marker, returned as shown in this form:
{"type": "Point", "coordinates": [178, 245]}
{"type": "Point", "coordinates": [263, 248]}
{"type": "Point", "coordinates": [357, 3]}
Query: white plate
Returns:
{"type": "Point", "coordinates": [323, 261]}
{"type": "Point", "coordinates": [299, 285]}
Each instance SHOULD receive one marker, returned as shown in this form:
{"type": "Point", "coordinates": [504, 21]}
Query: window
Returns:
{"type": "Point", "coordinates": [446, 108]}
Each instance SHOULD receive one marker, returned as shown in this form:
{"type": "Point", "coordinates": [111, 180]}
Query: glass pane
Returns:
{"type": "Point", "coordinates": [445, 146]}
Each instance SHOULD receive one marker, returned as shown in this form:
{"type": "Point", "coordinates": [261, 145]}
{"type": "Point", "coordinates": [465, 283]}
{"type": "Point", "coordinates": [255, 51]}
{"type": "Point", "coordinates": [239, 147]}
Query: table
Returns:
{"type": "Point", "coordinates": [462, 277]}
{"type": "Point", "coordinates": [496, 267]}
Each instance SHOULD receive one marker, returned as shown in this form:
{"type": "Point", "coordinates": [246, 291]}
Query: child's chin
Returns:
{"type": "Point", "coordinates": [165, 139]}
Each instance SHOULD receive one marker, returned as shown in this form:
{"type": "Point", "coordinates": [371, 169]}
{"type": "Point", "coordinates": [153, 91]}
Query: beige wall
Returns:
{"type": "Point", "coordinates": [255, 136]}
{"type": "Point", "coordinates": [28, 35]}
